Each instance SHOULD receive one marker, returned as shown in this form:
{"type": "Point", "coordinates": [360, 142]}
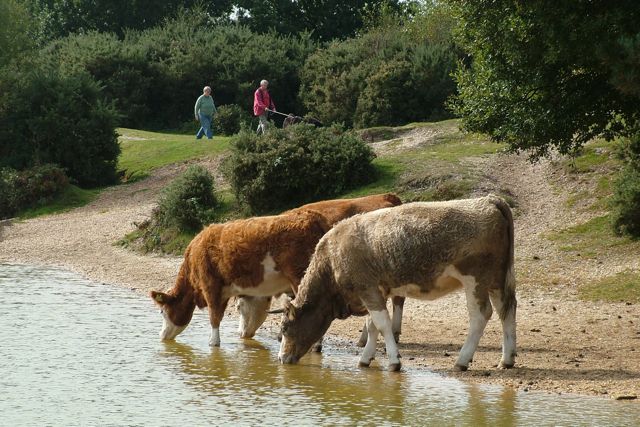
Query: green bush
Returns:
{"type": "Point", "coordinates": [229, 120]}
{"type": "Point", "coordinates": [383, 77]}
{"type": "Point", "coordinates": [626, 200]}
{"type": "Point", "coordinates": [287, 167]}
{"type": "Point", "coordinates": [29, 188]}
{"type": "Point", "coordinates": [188, 203]}
{"type": "Point", "coordinates": [47, 117]}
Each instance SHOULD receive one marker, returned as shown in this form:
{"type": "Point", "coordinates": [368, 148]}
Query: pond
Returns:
{"type": "Point", "coordinates": [75, 352]}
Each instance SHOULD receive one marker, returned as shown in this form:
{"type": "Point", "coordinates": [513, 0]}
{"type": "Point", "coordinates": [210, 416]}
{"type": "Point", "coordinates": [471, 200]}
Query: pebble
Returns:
{"type": "Point", "coordinates": [625, 397]}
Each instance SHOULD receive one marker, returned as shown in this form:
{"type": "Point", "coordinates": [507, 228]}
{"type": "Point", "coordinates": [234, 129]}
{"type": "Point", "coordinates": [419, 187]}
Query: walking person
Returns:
{"type": "Point", "coordinates": [261, 102]}
{"type": "Point", "coordinates": [204, 110]}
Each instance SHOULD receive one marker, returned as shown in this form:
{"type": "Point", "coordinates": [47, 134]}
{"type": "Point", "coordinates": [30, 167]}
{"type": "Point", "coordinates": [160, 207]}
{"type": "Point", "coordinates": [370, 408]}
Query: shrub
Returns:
{"type": "Point", "coordinates": [626, 200]}
{"type": "Point", "coordinates": [188, 202]}
{"type": "Point", "coordinates": [383, 77]}
{"type": "Point", "coordinates": [230, 119]}
{"type": "Point", "coordinates": [47, 117]}
{"type": "Point", "coordinates": [29, 188]}
{"type": "Point", "coordinates": [287, 167]}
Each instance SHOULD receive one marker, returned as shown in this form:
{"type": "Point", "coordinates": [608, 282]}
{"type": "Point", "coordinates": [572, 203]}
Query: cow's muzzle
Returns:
{"type": "Point", "coordinates": [287, 359]}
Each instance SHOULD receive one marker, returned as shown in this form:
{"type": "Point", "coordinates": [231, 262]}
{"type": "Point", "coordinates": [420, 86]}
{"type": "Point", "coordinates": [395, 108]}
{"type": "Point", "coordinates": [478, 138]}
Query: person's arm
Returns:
{"type": "Point", "coordinates": [197, 107]}
{"type": "Point", "coordinates": [215, 110]}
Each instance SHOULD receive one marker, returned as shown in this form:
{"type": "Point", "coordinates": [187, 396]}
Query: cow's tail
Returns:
{"type": "Point", "coordinates": [509, 289]}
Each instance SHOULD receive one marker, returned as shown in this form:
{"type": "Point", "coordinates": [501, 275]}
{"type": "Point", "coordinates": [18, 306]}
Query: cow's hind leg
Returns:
{"type": "Point", "coordinates": [253, 312]}
{"type": "Point", "coordinates": [480, 312]}
{"type": "Point", "coordinates": [506, 308]}
{"type": "Point", "coordinates": [369, 352]}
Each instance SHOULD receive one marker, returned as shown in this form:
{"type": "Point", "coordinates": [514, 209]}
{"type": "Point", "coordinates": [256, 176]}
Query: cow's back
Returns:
{"type": "Point", "coordinates": [337, 210]}
{"type": "Point", "coordinates": [414, 242]}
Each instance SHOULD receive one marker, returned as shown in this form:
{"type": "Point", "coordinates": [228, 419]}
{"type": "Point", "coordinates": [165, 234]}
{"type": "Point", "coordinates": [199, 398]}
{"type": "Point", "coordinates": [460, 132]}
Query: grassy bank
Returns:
{"type": "Point", "coordinates": [143, 151]}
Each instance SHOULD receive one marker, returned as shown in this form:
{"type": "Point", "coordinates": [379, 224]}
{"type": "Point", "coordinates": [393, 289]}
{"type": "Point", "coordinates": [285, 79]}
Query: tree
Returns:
{"type": "Point", "coordinates": [14, 25]}
{"type": "Point", "coordinates": [59, 18]}
{"type": "Point", "coordinates": [549, 74]}
{"type": "Point", "coordinates": [326, 19]}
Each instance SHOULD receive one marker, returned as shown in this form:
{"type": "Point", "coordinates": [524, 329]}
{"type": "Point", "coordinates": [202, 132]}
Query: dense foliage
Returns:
{"type": "Point", "coordinates": [46, 117]}
{"type": "Point", "coordinates": [287, 167]}
{"type": "Point", "coordinates": [627, 196]}
{"type": "Point", "coordinates": [230, 119]}
{"type": "Point", "coordinates": [155, 76]}
{"type": "Point", "coordinates": [549, 74]}
{"type": "Point", "coordinates": [389, 76]}
{"type": "Point", "coordinates": [31, 187]}
{"type": "Point", "coordinates": [188, 203]}
{"type": "Point", "coordinates": [14, 30]}
{"type": "Point", "coordinates": [325, 19]}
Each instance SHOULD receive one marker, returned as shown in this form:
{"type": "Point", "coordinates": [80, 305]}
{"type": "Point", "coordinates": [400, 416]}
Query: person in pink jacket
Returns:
{"type": "Point", "coordinates": [261, 102]}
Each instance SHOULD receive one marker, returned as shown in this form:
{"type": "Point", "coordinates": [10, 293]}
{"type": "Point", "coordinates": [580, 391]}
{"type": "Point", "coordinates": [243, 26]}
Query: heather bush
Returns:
{"type": "Point", "coordinates": [31, 187]}
{"type": "Point", "coordinates": [288, 167]}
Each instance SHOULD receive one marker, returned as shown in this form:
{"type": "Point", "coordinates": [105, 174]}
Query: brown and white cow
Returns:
{"type": "Point", "coordinates": [256, 257]}
{"type": "Point", "coordinates": [418, 250]}
{"type": "Point", "coordinates": [253, 310]}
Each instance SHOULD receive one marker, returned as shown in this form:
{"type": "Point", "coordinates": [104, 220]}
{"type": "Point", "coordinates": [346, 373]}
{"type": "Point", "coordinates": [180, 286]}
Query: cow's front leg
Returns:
{"type": "Point", "coordinates": [480, 312]}
{"type": "Point", "coordinates": [364, 335]}
{"type": "Point", "coordinates": [216, 313]}
{"type": "Point", "coordinates": [369, 352]}
{"type": "Point", "coordinates": [382, 321]}
{"type": "Point", "coordinates": [317, 347]}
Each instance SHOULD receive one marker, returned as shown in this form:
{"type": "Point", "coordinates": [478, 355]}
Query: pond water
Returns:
{"type": "Point", "coordinates": [75, 352]}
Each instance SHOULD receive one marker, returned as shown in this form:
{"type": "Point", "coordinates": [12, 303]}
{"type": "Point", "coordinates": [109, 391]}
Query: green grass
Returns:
{"type": "Point", "coordinates": [72, 197]}
{"type": "Point", "coordinates": [623, 286]}
{"type": "Point", "coordinates": [591, 238]}
{"type": "Point", "coordinates": [143, 151]}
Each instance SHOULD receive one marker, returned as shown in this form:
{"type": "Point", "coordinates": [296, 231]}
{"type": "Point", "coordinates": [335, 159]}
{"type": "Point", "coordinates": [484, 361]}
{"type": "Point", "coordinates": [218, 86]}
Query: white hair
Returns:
{"type": "Point", "coordinates": [205, 89]}
{"type": "Point", "coordinates": [263, 82]}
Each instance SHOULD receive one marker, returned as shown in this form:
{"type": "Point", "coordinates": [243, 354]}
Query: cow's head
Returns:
{"type": "Point", "coordinates": [176, 313]}
{"type": "Point", "coordinates": [303, 326]}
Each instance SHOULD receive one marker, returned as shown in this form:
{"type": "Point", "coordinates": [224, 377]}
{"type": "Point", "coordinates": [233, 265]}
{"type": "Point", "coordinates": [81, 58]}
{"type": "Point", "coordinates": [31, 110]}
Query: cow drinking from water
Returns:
{"type": "Point", "coordinates": [419, 250]}
{"type": "Point", "coordinates": [253, 310]}
{"type": "Point", "coordinates": [254, 258]}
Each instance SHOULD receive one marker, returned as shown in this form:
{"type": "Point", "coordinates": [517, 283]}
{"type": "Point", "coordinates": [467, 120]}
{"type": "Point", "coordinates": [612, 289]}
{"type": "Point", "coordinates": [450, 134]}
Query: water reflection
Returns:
{"type": "Point", "coordinates": [80, 353]}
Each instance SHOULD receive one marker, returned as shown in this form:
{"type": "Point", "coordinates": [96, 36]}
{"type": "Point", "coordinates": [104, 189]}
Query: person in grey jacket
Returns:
{"type": "Point", "coordinates": [204, 110]}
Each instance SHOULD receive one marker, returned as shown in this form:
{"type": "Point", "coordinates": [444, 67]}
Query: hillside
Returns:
{"type": "Point", "coordinates": [568, 262]}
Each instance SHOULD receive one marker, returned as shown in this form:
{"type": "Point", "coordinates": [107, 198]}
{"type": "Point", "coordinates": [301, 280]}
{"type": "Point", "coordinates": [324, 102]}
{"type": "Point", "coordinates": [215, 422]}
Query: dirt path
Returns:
{"type": "Point", "coordinates": [565, 345]}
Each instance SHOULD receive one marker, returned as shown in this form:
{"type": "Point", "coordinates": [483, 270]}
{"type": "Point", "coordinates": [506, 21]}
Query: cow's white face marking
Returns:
{"type": "Point", "coordinates": [273, 282]}
{"type": "Point", "coordinates": [169, 329]}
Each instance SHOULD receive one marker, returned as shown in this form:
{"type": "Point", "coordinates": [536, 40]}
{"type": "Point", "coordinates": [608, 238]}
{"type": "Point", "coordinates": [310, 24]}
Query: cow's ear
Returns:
{"type": "Point", "coordinates": [341, 309]}
{"type": "Point", "coordinates": [290, 310]}
{"type": "Point", "coordinates": [160, 297]}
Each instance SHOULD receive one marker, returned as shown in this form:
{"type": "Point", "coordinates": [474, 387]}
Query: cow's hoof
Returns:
{"type": "Point", "coordinates": [503, 365]}
{"type": "Point", "coordinates": [364, 364]}
{"type": "Point", "coordinates": [361, 343]}
{"type": "Point", "coordinates": [317, 348]}
{"type": "Point", "coordinates": [246, 336]}
{"type": "Point", "coordinates": [394, 367]}
{"type": "Point", "coordinates": [396, 337]}
{"type": "Point", "coordinates": [460, 368]}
